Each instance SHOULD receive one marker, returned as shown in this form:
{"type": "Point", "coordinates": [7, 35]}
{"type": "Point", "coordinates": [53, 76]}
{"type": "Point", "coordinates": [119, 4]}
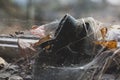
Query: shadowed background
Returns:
{"type": "Point", "coordinates": [22, 14]}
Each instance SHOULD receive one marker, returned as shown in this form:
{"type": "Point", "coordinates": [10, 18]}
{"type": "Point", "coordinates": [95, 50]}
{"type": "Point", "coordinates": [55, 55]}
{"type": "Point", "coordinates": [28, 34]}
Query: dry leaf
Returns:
{"type": "Point", "coordinates": [25, 48]}
{"type": "Point", "coordinates": [103, 32]}
{"type": "Point", "coordinates": [38, 31]}
{"type": "Point", "coordinates": [109, 44]}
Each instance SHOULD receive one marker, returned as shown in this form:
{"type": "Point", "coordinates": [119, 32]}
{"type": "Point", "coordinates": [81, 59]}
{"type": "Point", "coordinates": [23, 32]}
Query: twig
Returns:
{"type": "Point", "coordinates": [92, 77]}
{"type": "Point", "coordinates": [105, 66]}
{"type": "Point", "coordinates": [107, 63]}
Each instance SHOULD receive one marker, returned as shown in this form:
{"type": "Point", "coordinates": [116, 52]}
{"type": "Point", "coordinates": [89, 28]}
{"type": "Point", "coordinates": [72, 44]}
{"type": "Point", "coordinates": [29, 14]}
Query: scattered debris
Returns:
{"type": "Point", "coordinates": [75, 41]}
{"type": "Point", "coordinates": [69, 49]}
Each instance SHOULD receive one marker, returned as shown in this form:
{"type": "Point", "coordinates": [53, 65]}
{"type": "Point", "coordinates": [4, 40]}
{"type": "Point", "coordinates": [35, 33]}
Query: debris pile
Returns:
{"type": "Point", "coordinates": [68, 49]}
{"type": "Point", "coordinates": [19, 70]}
{"type": "Point", "coordinates": [78, 51]}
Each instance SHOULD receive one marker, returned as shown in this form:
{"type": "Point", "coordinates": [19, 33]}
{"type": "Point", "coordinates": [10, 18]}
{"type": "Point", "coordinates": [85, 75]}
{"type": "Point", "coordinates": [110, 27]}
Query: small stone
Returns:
{"type": "Point", "coordinates": [15, 78]}
{"type": "Point", "coordinates": [28, 77]}
{"type": "Point", "coordinates": [3, 63]}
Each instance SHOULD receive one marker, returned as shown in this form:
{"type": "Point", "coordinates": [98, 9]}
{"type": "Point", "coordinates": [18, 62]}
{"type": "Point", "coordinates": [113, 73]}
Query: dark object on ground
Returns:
{"type": "Point", "coordinates": [69, 47]}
